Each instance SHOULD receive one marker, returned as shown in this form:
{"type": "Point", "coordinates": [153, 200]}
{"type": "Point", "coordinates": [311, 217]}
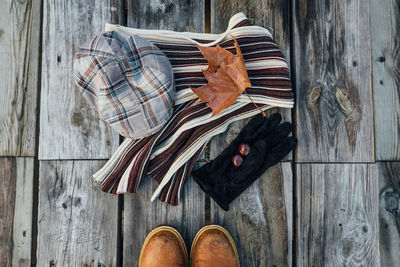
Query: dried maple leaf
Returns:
{"type": "Point", "coordinates": [226, 75]}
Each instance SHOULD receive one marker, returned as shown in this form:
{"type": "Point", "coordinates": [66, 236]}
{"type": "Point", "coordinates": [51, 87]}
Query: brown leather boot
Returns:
{"type": "Point", "coordinates": [213, 246]}
{"type": "Point", "coordinates": [164, 246]}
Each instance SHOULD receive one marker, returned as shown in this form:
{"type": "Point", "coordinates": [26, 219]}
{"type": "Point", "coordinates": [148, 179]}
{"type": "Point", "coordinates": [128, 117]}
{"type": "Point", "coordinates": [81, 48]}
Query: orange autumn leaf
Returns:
{"type": "Point", "coordinates": [226, 75]}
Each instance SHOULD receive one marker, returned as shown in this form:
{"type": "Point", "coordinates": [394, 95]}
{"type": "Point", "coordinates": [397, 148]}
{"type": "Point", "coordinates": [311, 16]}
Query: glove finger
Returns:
{"type": "Point", "coordinates": [275, 119]}
{"type": "Point", "coordinates": [280, 133]}
{"type": "Point", "coordinates": [252, 163]}
{"type": "Point", "coordinates": [249, 129]}
{"type": "Point", "coordinates": [268, 126]}
{"type": "Point", "coordinates": [278, 153]}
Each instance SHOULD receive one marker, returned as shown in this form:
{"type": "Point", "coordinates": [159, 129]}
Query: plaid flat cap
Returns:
{"type": "Point", "coordinates": [128, 80]}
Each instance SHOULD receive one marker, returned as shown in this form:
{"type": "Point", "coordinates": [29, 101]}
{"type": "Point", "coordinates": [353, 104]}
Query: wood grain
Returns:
{"type": "Point", "coordinates": [19, 76]}
{"type": "Point", "coordinates": [389, 213]}
{"type": "Point", "coordinates": [385, 37]}
{"type": "Point", "coordinates": [141, 215]}
{"type": "Point", "coordinates": [257, 220]}
{"type": "Point", "coordinates": [7, 205]}
{"type": "Point", "coordinates": [337, 215]}
{"type": "Point", "coordinates": [332, 57]}
{"type": "Point", "coordinates": [16, 202]}
{"type": "Point", "coordinates": [69, 128]}
{"type": "Point", "coordinates": [77, 223]}
{"type": "Point", "coordinates": [23, 212]}
{"type": "Point", "coordinates": [287, 173]}
{"type": "Point", "coordinates": [176, 15]}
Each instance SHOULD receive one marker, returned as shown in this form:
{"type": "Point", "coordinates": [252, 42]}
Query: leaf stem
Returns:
{"type": "Point", "coordinates": [262, 112]}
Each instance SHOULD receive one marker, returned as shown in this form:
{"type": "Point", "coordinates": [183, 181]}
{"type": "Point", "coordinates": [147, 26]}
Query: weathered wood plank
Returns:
{"type": "Point", "coordinates": [23, 211]}
{"type": "Point", "coordinates": [273, 15]}
{"type": "Point", "coordinates": [69, 128]}
{"type": "Point", "coordinates": [261, 215]}
{"type": "Point", "coordinates": [332, 54]}
{"type": "Point", "coordinates": [385, 28]}
{"type": "Point", "coordinates": [77, 223]}
{"type": "Point", "coordinates": [389, 213]}
{"type": "Point", "coordinates": [288, 194]}
{"type": "Point", "coordinates": [16, 202]}
{"type": "Point", "coordinates": [141, 215]}
{"type": "Point", "coordinates": [19, 53]}
{"type": "Point", "coordinates": [7, 205]}
{"type": "Point", "coordinates": [177, 15]}
{"type": "Point", "coordinates": [337, 215]}
{"type": "Point", "coordinates": [257, 219]}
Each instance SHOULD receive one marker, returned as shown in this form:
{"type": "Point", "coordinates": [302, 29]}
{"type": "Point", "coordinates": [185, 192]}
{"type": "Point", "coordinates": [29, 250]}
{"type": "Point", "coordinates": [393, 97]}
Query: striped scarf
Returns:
{"type": "Point", "coordinates": [170, 155]}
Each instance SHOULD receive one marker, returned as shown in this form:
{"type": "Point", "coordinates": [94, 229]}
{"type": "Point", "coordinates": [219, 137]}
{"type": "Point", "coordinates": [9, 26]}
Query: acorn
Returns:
{"type": "Point", "coordinates": [237, 160]}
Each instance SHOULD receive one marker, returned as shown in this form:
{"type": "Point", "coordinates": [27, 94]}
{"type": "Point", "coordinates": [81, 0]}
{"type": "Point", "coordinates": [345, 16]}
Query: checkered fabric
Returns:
{"type": "Point", "coordinates": [128, 80]}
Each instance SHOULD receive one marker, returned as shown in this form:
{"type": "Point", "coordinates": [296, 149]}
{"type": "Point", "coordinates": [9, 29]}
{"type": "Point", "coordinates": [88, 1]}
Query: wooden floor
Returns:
{"type": "Point", "coordinates": [334, 202]}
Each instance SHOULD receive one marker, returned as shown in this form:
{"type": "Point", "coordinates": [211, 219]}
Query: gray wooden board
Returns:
{"type": "Point", "coordinates": [16, 201]}
{"type": "Point", "coordinates": [389, 213]}
{"type": "Point", "coordinates": [337, 215]}
{"type": "Point", "coordinates": [288, 195]}
{"type": "Point", "coordinates": [23, 211]}
{"type": "Point", "coordinates": [385, 28]}
{"type": "Point", "coordinates": [258, 222]}
{"type": "Point", "coordinates": [19, 72]}
{"type": "Point", "coordinates": [273, 15]}
{"type": "Point", "coordinates": [77, 223]}
{"type": "Point", "coordinates": [69, 128]}
{"type": "Point", "coordinates": [141, 215]}
{"type": "Point", "coordinates": [7, 205]}
{"type": "Point", "coordinates": [332, 57]}
{"type": "Point", "coordinates": [176, 15]}
{"type": "Point", "coordinates": [257, 219]}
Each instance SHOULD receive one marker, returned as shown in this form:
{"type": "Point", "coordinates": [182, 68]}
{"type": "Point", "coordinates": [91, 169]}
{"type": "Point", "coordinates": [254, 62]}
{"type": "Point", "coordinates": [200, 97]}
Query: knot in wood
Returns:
{"type": "Point", "coordinates": [77, 201]}
{"type": "Point", "coordinates": [344, 101]}
{"type": "Point", "coordinates": [382, 59]}
{"type": "Point", "coordinates": [314, 94]}
{"type": "Point", "coordinates": [392, 199]}
{"type": "Point", "coordinates": [347, 247]}
{"type": "Point", "coordinates": [346, 105]}
{"type": "Point", "coordinates": [356, 236]}
{"type": "Point", "coordinates": [77, 118]}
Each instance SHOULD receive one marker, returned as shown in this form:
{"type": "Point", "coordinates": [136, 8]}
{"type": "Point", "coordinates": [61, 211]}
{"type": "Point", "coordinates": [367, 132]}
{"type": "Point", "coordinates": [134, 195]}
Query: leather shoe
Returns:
{"type": "Point", "coordinates": [213, 246]}
{"type": "Point", "coordinates": [163, 247]}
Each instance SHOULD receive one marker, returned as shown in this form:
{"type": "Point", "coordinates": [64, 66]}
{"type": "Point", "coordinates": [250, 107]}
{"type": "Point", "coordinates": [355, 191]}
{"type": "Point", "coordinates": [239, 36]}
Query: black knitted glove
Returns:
{"type": "Point", "coordinates": [269, 142]}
